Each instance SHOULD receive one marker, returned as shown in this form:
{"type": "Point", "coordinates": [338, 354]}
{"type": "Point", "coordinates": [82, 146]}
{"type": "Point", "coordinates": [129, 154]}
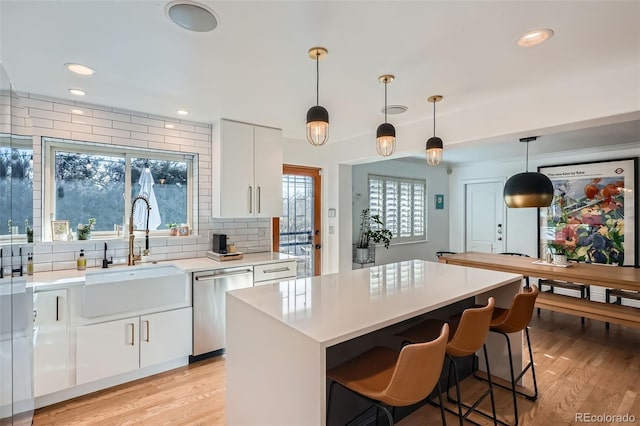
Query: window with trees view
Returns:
{"type": "Point", "coordinates": [16, 185]}
{"type": "Point", "coordinates": [401, 204]}
{"type": "Point", "coordinates": [99, 181]}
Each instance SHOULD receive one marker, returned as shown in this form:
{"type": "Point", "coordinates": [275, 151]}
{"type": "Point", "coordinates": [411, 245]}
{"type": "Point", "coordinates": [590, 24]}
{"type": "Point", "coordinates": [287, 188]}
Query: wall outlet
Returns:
{"type": "Point", "coordinates": [262, 233]}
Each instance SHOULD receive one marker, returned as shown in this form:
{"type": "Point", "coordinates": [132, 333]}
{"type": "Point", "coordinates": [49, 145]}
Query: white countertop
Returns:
{"type": "Point", "coordinates": [51, 280]}
{"type": "Point", "coordinates": [334, 308]}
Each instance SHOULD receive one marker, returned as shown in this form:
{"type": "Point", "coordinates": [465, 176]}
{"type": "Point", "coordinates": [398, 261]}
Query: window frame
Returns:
{"type": "Point", "coordinates": [51, 145]}
{"type": "Point", "coordinates": [26, 143]}
{"type": "Point", "coordinates": [399, 180]}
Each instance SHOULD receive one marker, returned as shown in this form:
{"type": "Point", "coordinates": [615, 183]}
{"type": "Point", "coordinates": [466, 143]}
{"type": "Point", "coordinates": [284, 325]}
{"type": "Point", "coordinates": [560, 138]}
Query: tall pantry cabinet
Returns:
{"type": "Point", "coordinates": [246, 171]}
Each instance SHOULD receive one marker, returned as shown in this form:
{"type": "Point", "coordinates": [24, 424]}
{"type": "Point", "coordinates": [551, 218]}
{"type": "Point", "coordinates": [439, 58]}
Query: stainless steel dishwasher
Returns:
{"type": "Point", "coordinates": [209, 288]}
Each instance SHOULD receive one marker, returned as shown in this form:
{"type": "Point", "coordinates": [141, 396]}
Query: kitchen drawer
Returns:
{"type": "Point", "coordinates": [274, 271]}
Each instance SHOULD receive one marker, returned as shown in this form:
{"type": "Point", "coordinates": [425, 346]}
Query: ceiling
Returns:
{"type": "Point", "coordinates": [254, 67]}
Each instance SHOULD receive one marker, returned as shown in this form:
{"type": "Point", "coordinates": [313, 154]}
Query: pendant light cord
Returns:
{"type": "Point", "coordinates": [526, 164]}
{"type": "Point", "coordinates": [385, 100]}
{"type": "Point", "coordinates": [317, 77]}
{"type": "Point", "coordinates": [434, 119]}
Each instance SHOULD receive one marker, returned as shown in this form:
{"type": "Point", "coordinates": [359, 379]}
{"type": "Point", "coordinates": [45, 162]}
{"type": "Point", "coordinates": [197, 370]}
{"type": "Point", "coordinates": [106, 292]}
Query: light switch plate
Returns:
{"type": "Point", "coordinates": [332, 212]}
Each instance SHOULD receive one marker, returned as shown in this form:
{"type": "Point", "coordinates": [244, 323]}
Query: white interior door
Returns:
{"type": "Point", "coordinates": [484, 217]}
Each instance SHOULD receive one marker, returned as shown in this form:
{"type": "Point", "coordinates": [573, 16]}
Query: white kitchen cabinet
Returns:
{"type": "Point", "coordinates": [111, 348]}
{"type": "Point", "coordinates": [51, 348]}
{"type": "Point", "coordinates": [247, 171]}
{"type": "Point", "coordinates": [106, 349]}
{"type": "Point", "coordinates": [165, 336]}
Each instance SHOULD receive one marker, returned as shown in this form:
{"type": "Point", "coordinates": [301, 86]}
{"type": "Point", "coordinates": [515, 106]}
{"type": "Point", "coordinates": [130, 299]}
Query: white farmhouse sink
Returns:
{"type": "Point", "coordinates": [128, 289]}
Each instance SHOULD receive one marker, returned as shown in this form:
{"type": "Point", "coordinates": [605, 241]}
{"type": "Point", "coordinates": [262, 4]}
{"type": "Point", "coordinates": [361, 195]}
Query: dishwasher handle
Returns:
{"type": "Point", "coordinates": [215, 276]}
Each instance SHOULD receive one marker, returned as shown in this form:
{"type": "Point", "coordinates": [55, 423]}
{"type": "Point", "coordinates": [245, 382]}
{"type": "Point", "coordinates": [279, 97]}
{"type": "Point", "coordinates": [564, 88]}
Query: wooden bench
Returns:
{"type": "Point", "coordinates": [612, 313]}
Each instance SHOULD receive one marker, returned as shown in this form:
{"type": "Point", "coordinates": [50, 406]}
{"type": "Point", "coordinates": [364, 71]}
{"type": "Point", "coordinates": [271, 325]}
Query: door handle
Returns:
{"type": "Point", "coordinates": [318, 246]}
{"type": "Point", "coordinates": [258, 200]}
{"type": "Point", "coordinates": [133, 343]}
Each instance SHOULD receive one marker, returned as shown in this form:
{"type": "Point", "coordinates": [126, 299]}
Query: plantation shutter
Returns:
{"type": "Point", "coordinates": [401, 204]}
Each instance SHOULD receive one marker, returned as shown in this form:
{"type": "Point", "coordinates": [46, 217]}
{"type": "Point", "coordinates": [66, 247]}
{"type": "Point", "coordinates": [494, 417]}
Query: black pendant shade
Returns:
{"type": "Point", "coordinates": [528, 189]}
{"type": "Point", "coordinates": [434, 142]}
{"type": "Point", "coordinates": [386, 130]}
{"type": "Point", "coordinates": [317, 113]}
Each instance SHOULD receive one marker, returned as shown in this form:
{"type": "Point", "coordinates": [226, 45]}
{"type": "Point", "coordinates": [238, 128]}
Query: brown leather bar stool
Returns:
{"type": "Point", "coordinates": [468, 337]}
{"type": "Point", "coordinates": [391, 378]}
{"type": "Point", "coordinates": [514, 320]}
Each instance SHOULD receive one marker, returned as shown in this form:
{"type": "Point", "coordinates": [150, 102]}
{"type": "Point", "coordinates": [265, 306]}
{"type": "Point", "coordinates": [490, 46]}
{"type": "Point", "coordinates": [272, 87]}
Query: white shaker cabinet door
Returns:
{"type": "Point", "coordinates": [165, 336]}
{"type": "Point", "coordinates": [106, 349]}
{"type": "Point", "coordinates": [51, 350]}
{"type": "Point", "coordinates": [268, 172]}
{"type": "Point", "coordinates": [235, 170]}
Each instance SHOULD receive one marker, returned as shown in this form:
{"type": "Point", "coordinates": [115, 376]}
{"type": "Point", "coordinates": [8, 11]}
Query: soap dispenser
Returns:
{"type": "Point", "coordinates": [82, 261]}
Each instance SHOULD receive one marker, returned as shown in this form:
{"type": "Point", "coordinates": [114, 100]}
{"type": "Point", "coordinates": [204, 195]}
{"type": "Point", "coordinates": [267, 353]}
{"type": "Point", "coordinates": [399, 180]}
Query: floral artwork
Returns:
{"type": "Point", "coordinates": [592, 215]}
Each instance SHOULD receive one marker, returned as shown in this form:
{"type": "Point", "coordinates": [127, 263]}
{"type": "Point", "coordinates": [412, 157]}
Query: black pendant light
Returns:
{"type": "Point", "coordinates": [434, 144]}
{"type": "Point", "coordinates": [317, 116]}
{"type": "Point", "coordinates": [528, 189]}
{"type": "Point", "coordinates": [386, 133]}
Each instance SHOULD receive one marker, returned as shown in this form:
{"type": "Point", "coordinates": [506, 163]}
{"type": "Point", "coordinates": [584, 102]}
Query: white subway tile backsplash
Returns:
{"type": "Point", "coordinates": [53, 118]}
{"type": "Point", "coordinates": [147, 121]}
{"type": "Point", "coordinates": [37, 103]}
{"type": "Point", "coordinates": [90, 137]}
{"type": "Point", "coordinates": [42, 122]}
{"type": "Point", "coordinates": [147, 136]}
{"type": "Point", "coordinates": [61, 125]}
{"type": "Point", "coordinates": [93, 121]}
{"type": "Point", "coordinates": [62, 134]}
{"type": "Point", "coordinates": [163, 131]}
{"type": "Point", "coordinates": [51, 115]}
{"type": "Point", "coordinates": [108, 131]}
{"type": "Point", "coordinates": [112, 116]}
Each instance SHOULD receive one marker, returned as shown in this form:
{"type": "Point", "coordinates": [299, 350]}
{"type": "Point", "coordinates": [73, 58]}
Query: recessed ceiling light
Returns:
{"type": "Point", "coordinates": [77, 111]}
{"type": "Point", "coordinates": [182, 112]}
{"type": "Point", "coordinates": [395, 109]}
{"type": "Point", "coordinates": [77, 92]}
{"type": "Point", "coordinates": [191, 16]}
{"type": "Point", "coordinates": [169, 126]}
{"type": "Point", "coordinates": [531, 38]}
{"type": "Point", "coordinates": [80, 69]}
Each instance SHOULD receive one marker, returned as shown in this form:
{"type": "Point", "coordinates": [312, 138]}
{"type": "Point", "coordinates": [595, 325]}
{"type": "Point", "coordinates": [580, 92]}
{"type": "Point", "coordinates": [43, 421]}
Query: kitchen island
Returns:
{"type": "Point", "coordinates": [282, 337]}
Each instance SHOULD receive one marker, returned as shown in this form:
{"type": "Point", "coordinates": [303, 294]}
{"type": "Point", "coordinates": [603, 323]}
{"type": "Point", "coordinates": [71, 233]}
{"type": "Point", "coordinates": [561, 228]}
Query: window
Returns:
{"type": "Point", "coordinates": [401, 204]}
{"type": "Point", "coordinates": [16, 185]}
{"type": "Point", "coordinates": [99, 181]}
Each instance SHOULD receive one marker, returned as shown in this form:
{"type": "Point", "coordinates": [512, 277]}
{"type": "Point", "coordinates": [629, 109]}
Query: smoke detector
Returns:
{"type": "Point", "coordinates": [192, 16]}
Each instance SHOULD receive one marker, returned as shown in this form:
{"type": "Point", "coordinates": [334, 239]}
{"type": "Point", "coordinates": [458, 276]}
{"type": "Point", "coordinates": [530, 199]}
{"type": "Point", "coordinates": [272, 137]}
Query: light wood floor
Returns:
{"type": "Point", "coordinates": [579, 369]}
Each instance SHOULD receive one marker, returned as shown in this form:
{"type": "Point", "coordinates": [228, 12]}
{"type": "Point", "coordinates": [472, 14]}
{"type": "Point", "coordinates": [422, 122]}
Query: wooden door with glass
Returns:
{"type": "Point", "coordinates": [298, 230]}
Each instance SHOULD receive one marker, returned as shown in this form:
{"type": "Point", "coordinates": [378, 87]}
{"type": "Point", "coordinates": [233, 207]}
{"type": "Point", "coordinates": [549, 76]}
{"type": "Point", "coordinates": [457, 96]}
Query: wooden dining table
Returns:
{"type": "Point", "coordinates": [624, 278]}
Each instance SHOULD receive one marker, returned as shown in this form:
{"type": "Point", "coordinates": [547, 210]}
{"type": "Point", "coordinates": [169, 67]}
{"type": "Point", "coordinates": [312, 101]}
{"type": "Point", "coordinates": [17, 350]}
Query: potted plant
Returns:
{"type": "Point", "coordinates": [173, 229]}
{"type": "Point", "coordinates": [84, 230]}
{"type": "Point", "coordinates": [371, 229]}
{"type": "Point", "coordinates": [28, 230]}
{"type": "Point", "coordinates": [558, 251]}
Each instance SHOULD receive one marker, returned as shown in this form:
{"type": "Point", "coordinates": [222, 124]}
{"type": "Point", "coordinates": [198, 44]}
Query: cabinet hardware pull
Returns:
{"type": "Point", "coordinates": [226, 274]}
{"type": "Point", "coordinates": [250, 199]}
{"type": "Point", "coordinates": [133, 343]}
{"type": "Point", "coordinates": [258, 202]}
{"type": "Point", "coordinates": [147, 339]}
{"type": "Point", "coordinates": [270, 271]}
{"type": "Point", "coordinates": [57, 308]}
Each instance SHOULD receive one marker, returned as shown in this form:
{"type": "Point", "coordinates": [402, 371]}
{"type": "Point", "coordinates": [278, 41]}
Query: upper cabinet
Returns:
{"type": "Point", "coordinates": [247, 171]}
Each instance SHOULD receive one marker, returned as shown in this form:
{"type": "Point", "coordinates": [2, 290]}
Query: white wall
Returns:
{"type": "Point", "coordinates": [437, 220]}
